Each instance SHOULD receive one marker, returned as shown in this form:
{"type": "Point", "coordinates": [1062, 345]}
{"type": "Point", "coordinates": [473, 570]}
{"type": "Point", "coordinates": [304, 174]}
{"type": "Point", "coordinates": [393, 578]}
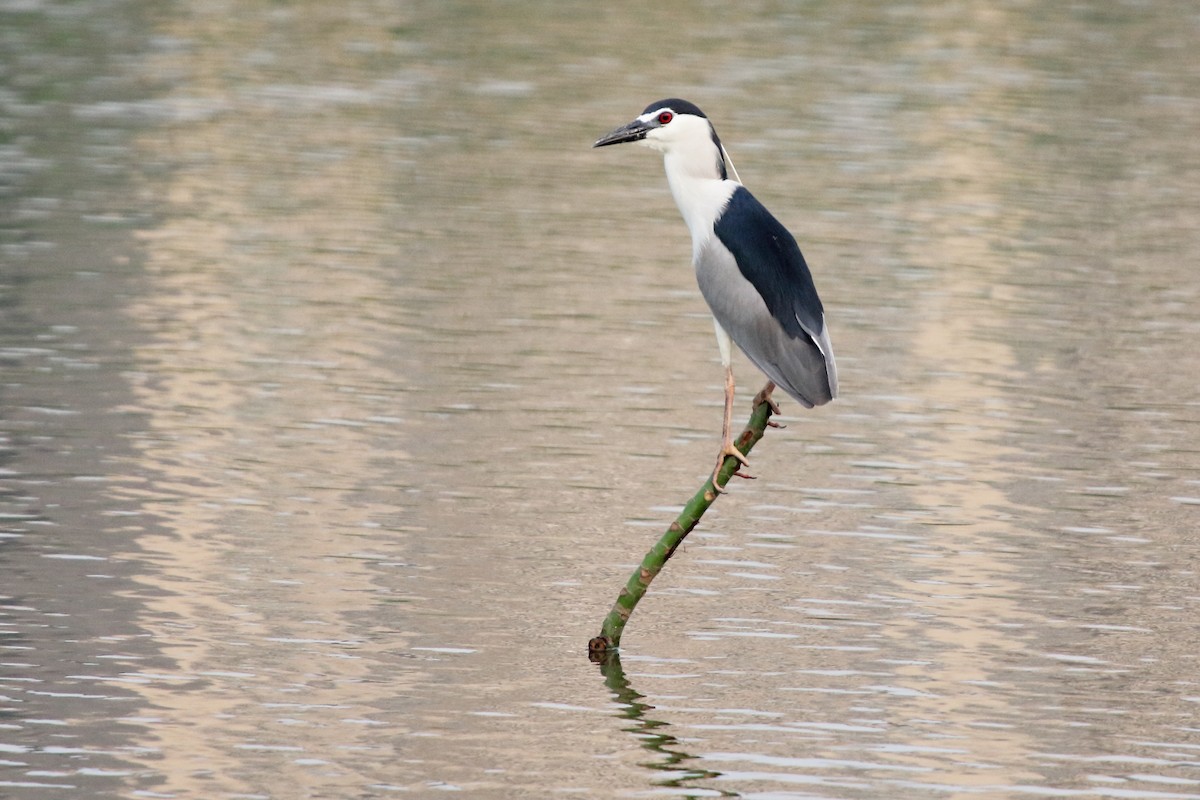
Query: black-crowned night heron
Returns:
{"type": "Point", "coordinates": [749, 268]}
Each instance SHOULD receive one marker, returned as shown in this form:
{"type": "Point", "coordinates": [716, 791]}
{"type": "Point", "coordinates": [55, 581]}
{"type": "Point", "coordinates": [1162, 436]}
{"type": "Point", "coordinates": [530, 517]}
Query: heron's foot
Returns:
{"type": "Point", "coordinates": [728, 450]}
{"type": "Point", "coordinates": [764, 396]}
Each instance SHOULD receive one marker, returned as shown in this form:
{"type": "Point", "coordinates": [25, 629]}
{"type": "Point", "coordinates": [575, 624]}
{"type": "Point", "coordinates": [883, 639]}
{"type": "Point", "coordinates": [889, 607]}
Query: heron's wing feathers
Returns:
{"type": "Point", "coordinates": [767, 255]}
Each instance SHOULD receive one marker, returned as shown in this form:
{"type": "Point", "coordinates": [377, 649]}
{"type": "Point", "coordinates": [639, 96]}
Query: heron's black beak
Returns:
{"type": "Point", "coordinates": [633, 132]}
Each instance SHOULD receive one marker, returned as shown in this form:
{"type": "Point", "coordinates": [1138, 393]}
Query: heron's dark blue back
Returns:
{"type": "Point", "coordinates": [768, 257]}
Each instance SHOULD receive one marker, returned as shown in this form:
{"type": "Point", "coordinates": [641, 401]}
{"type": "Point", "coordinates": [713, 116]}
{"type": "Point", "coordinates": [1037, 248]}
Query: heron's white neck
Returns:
{"type": "Point", "coordinates": [698, 188]}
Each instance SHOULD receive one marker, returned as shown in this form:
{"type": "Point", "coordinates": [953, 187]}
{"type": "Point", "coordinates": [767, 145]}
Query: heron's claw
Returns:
{"type": "Point", "coordinates": [718, 488]}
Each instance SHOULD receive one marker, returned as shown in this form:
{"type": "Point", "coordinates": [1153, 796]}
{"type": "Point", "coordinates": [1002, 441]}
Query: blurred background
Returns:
{"type": "Point", "coordinates": [342, 384]}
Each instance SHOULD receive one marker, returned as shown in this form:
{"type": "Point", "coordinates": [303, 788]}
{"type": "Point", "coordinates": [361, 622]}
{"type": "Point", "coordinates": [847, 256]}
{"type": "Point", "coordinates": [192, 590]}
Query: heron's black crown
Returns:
{"type": "Point", "coordinates": [676, 105]}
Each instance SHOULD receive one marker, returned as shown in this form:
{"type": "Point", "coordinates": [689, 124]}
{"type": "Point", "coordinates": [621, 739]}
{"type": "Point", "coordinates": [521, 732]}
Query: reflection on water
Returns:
{"type": "Point", "coordinates": [336, 404]}
{"type": "Point", "coordinates": [671, 760]}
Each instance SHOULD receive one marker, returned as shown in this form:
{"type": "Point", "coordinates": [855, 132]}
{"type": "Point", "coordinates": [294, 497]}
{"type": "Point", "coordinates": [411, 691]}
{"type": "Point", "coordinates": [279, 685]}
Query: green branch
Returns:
{"type": "Point", "coordinates": [610, 632]}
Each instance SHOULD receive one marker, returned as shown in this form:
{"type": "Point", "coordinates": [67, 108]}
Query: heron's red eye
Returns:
{"type": "Point", "coordinates": [665, 117]}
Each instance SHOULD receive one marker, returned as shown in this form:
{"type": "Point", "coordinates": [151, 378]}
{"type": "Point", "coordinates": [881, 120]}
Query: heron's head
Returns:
{"type": "Point", "coordinates": [674, 127]}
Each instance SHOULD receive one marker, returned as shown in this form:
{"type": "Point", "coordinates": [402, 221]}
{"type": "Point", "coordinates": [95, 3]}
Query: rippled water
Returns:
{"type": "Point", "coordinates": [343, 385]}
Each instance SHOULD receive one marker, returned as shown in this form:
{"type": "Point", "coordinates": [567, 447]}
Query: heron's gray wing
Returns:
{"type": "Point", "coordinates": [769, 259]}
{"type": "Point", "coordinates": [768, 256]}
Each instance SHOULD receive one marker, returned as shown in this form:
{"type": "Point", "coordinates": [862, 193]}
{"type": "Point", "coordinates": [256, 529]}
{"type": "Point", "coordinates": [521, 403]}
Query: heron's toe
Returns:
{"type": "Point", "coordinates": [729, 450]}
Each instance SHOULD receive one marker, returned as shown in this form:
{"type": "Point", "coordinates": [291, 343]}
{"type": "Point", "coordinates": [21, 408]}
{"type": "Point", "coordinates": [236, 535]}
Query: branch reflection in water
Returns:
{"type": "Point", "coordinates": [651, 734]}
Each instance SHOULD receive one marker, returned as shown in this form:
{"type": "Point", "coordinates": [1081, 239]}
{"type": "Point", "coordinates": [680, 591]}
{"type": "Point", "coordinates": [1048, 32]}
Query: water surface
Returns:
{"type": "Point", "coordinates": [343, 385]}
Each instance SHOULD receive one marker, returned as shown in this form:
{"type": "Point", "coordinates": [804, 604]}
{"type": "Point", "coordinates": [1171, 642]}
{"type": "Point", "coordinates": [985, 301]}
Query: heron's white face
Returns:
{"type": "Point", "coordinates": [671, 132]}
{"type": "Point", "coordinates": [686, 142]}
